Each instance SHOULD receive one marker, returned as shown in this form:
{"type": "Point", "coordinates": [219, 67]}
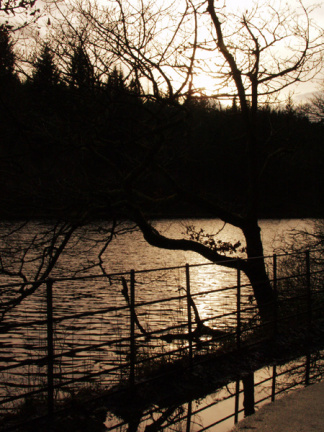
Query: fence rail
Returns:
{"type": "Point", "coordinates": [125, 346]}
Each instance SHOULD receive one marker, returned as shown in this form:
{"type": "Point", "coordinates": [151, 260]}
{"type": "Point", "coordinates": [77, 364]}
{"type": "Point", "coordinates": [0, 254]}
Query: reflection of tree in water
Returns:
{"type": "Point", "coordinates": [156, 411]}
{"type": "Point", "coordinates": [170, 404]}
{"type": "Point", "coordinates": [168, 416]}
{"type": "Point", "coordinates": [173, 407]}
{"type": "Point", "coordinates": [175, 418]}
{"type": "Point", "coordinates": [156, 418]}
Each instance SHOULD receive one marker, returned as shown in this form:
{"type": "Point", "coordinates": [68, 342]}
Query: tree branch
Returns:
{"type": "Point", "coordinates": [154, 238]}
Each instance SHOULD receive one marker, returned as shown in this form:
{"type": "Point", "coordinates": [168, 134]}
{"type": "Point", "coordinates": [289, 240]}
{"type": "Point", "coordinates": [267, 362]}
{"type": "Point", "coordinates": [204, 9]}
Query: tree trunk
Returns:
{"type": "Point", "coordinates": [256, 271]}
{"type": "Point", "coordinates": [254, 267]}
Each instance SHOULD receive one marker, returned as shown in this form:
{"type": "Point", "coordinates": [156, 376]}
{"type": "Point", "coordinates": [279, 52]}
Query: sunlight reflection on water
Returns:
{"type": "Point", "coordinates": [137, 254]}
{"type": "Point", "coordinates": [124, 253]}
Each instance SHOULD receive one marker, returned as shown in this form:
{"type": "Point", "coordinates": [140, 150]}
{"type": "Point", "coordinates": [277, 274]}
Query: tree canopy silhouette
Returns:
{"type": "Point", "coordinates": [254, 55]}
{"type": "Point", "coordinates": [134, 142]}
{"type": "Point", "coordinates": [7, 55]}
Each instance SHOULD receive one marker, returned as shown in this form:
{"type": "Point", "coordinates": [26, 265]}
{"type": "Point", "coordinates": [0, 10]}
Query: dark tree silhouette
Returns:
{"type": "Point", "coordinates": [45, 72]}
{"type": "Point", "coordinates": [81, 69]}
{"type": "Point", "coordinates": [155, 45]}
{"type": "Point", "coordinates": [315, 107]}
{"type": "Point", "coordinates": [135, 146]}
{"type": "Point", "coordinates": [7, 55]}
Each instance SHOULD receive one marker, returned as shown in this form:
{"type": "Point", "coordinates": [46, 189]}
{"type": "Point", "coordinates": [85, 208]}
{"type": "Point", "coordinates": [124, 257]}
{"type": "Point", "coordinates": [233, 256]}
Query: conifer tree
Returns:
{"type": "Point", "coordinates": [46, 73]}
{"type": "Point", "coordinates": [81, 69]}
{"type": "Point", "coordinates": [116, 79]}
{"type": "Point", "coordinates": [7, 55]}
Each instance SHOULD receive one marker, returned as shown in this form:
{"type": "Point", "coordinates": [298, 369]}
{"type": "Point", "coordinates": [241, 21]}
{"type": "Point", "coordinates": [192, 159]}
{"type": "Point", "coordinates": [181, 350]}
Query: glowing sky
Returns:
{"type": "Point", "coordinates": [303, 89]}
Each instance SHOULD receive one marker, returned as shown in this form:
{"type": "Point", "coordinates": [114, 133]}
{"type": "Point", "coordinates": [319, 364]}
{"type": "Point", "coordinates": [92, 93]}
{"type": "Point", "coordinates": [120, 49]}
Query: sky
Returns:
{"type": "Point", "coordinates": [303, 90]}
{"type": "Point", "coordinates": [300, 92]}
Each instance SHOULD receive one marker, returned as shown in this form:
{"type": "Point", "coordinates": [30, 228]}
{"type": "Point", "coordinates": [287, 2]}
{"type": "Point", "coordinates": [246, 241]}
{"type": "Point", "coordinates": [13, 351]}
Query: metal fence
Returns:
{"type": "Point", "coordinates": [227, 405]}
{"type": "Point", "coordinates": [137, 335]}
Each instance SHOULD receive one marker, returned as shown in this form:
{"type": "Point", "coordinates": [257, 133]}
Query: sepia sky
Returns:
{"type": "Point", "coordinates": [301, 91]}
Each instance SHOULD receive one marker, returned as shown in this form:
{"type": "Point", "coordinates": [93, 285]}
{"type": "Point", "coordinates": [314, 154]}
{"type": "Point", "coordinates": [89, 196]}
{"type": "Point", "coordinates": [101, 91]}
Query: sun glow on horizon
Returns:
{"type": "Point", "coordinates": [205, 78]}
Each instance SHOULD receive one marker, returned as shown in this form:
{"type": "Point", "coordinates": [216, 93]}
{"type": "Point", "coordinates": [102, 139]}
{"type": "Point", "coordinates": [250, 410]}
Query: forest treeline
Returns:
{"type": "Point", "coordinates": [70, 141]}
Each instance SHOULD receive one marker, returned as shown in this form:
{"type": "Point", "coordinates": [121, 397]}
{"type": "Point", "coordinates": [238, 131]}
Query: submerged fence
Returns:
{"type": "Point", "coordinates": [138, 331]}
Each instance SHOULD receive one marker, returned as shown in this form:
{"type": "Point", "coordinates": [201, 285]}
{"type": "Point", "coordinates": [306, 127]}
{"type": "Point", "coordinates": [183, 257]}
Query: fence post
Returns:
{"type": "Point", "coordinates": [238, 307]}
{"type": "Point", "coordinates": [308, 365]}
{"type": "Point", "coordinates": [309, 294]}
{"type": "Point", "coordinates": [132, 330]}
{"type": "Point", "coordinates": [274, 376]}
{"type": "Point", "coordinates": [189, 414]}
{"type": "Point", "coordinates": [50, 347]}
{"type": "Point", "coordinates": [189, 313]}
{"type": "Point", "coordinates": [309, 316]}
{"type": "Point", "coordinates": [275, 289]}
{"type": "Point", "coordinates": [237, 400]}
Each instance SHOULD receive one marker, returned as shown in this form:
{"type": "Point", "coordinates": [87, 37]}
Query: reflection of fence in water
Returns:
{"type": "Point", "coordinates": [95, 345]}
{"type": "Point", "coordinates": [218, 411]}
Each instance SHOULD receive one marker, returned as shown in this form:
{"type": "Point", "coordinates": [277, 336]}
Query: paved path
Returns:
{"type": "Point", "coordinates": [300, 411]}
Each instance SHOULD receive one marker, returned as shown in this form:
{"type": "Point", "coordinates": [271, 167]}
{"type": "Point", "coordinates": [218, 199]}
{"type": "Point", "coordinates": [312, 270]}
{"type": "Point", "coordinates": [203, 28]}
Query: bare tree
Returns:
{"type": "Point", "coordinates": [32, 251]}
{"type": "Point", "coordinates": [14, 6]}
{"type": "Point", "coordinates": [18, 14]}
{"type": "Point", "coordinates": [251, 55]}
{"type": "Point", "coordinates": [27, 258]}
{"type": "Point", "coordinates": [161, 50]}
{"type": "Point", "coordinates": [315, 107]}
